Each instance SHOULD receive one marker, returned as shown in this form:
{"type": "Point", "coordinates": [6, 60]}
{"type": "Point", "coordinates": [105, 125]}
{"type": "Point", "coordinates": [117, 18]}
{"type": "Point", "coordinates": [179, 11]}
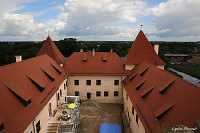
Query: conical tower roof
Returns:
{"type": "Point", "coordinates": [51, 50]}
{"type": "Point", "coordinates": [142, 50]}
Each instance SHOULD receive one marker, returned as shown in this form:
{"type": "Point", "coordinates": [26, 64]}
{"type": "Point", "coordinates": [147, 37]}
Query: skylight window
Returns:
{"type": "Point", "coordinates": [163, 111]}
{"type": "Point", "coordinates": [142, 73]}
{"type": "Point", "coordinates": [37, 84]}
{"type": "Point", "coordinates": [146, 93]}
{"type": "Point", "coordinates": [139, 85]}
{"type": "Point", "coordinates": [163, 90]}
{"type": "Point", "coordinates": [59, 71]}
{"type": "Point", "coordinates": [49, 75]}
{"type": "Point", "coordinates": [132, 77]}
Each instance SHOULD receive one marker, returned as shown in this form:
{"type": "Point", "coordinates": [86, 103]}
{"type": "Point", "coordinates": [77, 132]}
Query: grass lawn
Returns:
{"type": "Point", "coordinates": [193, 70]}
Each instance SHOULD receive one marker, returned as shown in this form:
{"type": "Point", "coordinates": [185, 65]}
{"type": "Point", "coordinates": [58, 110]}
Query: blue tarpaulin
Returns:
{"type": "Point", "coordinates": [109, 128]}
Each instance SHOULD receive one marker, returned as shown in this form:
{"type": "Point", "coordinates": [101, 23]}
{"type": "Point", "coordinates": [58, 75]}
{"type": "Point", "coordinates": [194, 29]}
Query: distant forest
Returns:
{"type": "Point", "coordinates": [8, 50]}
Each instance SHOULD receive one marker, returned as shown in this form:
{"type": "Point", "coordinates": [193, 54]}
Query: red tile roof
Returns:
{"type": "Point", "coordinates": [178, 104]}
{"type": "Point", "coordinates": [16, 89]}
{"type": "Point", "coordinates": [103, 63]}
{"type": "Point", "coordinates": [142, 50]}
{"type": "Point", "coordinates": [2, 120]}
{"type": "Point", "coordinates": [51, 50]}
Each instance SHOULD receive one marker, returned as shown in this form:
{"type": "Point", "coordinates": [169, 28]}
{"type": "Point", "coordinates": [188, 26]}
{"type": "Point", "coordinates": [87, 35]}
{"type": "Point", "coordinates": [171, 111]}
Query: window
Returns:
{"type": "Point", "coordinates": [88, 82]}
{"type": "Point", "coordinates": [116, 82]}
{"type": "Point", "coordinates": [64, 87]}
{"type": "Point", "coordinates": [98, 93]}
{"type": "Point", "coordinates": [58, 96]}
{"type": "Point", "coordinates": [132, 110]}
{"type": "Point", "coordinates": [66, 84]}
{"type": "Point", "coordinates": [76, 82]}
{"type": "Point", "coordinates": [105, 93]}
{"type": "Point", "coordinates": [65, 99]}
{"type": "Point", "coordinates": [116, 93]}
{"type": "Point", "coordinates": [129, 117]}
{"type": "Point", "coordinates": [38, 128]}
{"type": "Point", "coordinates": [98, 82]}
{"type": "Point", "coordinates": [136, 118]}
{"type": "Point", "coordinates": [60, 92]}
{"type": "Point", "coordinates": [76, 93]}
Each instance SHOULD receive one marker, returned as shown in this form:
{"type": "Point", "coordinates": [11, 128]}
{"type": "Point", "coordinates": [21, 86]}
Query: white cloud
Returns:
{"type": "Point", "coordinates": [97, 17]}
{"type": "Point", "coordinates": [20, 25]}
{"type": "Point", "coordinates": [104, 20]}
{"type": "Point", "coordinates": [15, 26]}
{"type": "Point", "coordinates": [60, 25]}
{"type": "Point", "coordinates": [178, 19]}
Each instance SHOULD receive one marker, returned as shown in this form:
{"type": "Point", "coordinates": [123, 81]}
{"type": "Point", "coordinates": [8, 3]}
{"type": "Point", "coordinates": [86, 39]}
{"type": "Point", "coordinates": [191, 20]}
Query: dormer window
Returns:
{"type": "Point", "coordinates": [104, 58]}
{"type": "Point", "coordinates": [85, 58]}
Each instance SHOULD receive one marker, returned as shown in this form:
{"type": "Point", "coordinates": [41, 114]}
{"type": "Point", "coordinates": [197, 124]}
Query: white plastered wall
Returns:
{"type": "Point", "coordinates": [161, 67]}
{"type": "Point", "coordinates": [135, 128]}
{"type": "Point", "coordinates": [107, 84]}
{"type": "Point", "coordinates": [43, 115]}
{"type": "Point", "coordinates": [129, 67]}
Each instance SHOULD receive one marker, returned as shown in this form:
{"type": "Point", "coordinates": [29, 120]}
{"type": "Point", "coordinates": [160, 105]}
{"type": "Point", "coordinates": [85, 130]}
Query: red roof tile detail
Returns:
{"type": "Point", "coordinates": [142, 50]}
{"type": "Point", "coordinates": [51, 50]}
{"type": "Point", "coordinates": [17, 116]}
{"type": "Point", "coordinates": [163, 109]}
{"type": "Point", "coordinates": [95, 65]}
{"type": "Point", "coordinates": [185, 106]}
{"type": "Point", "coordinates": [2, 120]}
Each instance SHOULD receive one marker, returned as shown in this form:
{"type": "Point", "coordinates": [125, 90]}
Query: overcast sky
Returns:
{"type": "Point", "coordinates": [162, 20]}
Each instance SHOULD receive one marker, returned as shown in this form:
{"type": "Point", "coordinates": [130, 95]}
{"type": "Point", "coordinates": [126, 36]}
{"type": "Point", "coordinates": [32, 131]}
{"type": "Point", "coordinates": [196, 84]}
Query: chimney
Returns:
{"type": "Point", "coordinates": [18, 58]}
{"type": "Point", "coordinates": [81, 50]}
{"type": "Point", "coordinates": [156, 48]}
{"type": "Point", "coordinates": [111, 50]}
{"type": "Point", "coordinates": [93, 52]}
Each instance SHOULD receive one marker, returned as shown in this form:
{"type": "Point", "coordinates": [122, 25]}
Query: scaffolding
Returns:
{"type": "Point", "coordinates": [68, 122]}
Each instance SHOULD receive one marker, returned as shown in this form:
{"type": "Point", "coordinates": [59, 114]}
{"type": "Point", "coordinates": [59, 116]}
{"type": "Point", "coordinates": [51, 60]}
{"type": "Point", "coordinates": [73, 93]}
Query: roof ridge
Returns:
{"type": "Point", "coordinates": [52, 44]}
{"type": "Point", "coordinates": [142, 50]}
{"type": "Point", "coordinates": [14, 63]}
{"type": "Point", "coordinates": [50, 48]}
